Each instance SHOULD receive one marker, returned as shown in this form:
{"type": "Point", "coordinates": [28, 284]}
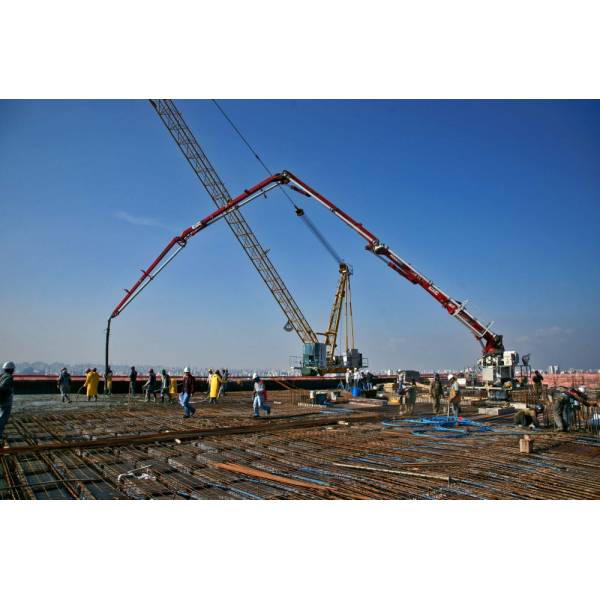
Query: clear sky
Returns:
{"type": "Point", "coordinates": [497, 202]}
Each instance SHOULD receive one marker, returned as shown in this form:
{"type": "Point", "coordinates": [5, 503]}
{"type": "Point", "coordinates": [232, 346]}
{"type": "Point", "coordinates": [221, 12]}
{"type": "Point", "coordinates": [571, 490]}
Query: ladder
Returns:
{"type": "Point", "coordinates": [216, 189]}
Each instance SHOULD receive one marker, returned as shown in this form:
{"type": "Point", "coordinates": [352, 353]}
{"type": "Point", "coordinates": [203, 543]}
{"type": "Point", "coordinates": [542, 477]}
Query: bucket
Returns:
{"type": "Point", "coordinates": [356, 391]}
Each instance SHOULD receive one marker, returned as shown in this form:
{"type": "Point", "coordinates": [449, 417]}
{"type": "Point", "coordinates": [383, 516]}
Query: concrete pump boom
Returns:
{"type": "Point", "coordinates": [492, 343]}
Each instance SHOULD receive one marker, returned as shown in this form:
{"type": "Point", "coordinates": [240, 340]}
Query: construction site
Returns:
{"type": "Point", "coordinates": [333, 429]}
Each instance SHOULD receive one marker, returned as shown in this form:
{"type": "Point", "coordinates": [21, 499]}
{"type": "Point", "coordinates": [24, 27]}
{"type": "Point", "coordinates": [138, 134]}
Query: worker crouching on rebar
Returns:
{"type": "Point", "coordinates": [260, 396]}
{"type": "Point", "coordinates": [188, 385]}
{"type": "Point", "coordinates": [454, 396]}
{"type": "Point", "coordinates": [436, 391]}
{"type": "Point", "coordinates": [6, 396]}
{"type": "Point", "coordinates": [527, 417]}
{"type": "Point", "coordinates": [566, 403]}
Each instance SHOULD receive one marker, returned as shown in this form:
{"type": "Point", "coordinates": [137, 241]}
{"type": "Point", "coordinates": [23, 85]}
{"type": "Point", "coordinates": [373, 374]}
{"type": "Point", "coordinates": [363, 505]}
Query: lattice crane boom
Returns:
{"type": "Point", "coordinates": [206, 173]}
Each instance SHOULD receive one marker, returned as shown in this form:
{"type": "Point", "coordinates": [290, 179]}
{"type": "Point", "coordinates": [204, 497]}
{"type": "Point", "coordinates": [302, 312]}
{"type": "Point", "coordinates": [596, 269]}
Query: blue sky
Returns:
{"type": "Point", "coordinates": [497, 202]}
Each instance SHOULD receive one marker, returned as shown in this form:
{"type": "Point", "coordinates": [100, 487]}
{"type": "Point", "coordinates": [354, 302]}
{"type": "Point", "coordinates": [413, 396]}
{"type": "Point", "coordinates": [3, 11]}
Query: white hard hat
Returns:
{"type": "Point", "coordinates": [581, 388]}
{"type": "Point", "coordinates": [186, 370]}
{"type": "Point", "coordinates": [450, 376]}
{"type": "Point", "coordinates": [8, 365]}
{"type": "Point", "coordinates": [254, 375]}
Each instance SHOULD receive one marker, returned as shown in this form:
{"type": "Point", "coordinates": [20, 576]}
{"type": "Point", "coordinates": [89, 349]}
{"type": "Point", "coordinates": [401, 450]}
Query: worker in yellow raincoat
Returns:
{"type": "Point", "coordinates": [214, 386]}
{"type": "Point", "coordinates": [91, 384]}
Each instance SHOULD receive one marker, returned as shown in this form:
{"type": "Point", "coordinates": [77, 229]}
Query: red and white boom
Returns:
{"type": "Point", "coordinates": [491, 342]}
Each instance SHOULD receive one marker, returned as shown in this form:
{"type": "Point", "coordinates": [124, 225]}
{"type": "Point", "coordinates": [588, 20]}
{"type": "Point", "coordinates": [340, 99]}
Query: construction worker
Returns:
{"type": "Point", "coordinates": [436, 391]}
{"type": "Point", "coordinates": [188, 385]}
{"type": "Point", "coordinates": [165, 384]}
{"type": "Point", "coordinates": [92, 379]}
{"type": "Point", "coordinates": [214, 387]}
{"type": "Point", "coordinates": [64, 385]}
{"type": "Point", "coordinates": [172, 386]}
{"type": "Point", "coordinates": [6, 396]}
{"type": "Point", "coordinates": [225, 378]}
{"type": "Point", "coordinates": [410, 397]}
{"type": "Point", "coordinates": [108, 379]}
{"type": "Point", "coordinates": [260, 396]}
{"type": "Point", "coordinates": [454, 395]}
{"type": "Point", "coordinates": [348, 379]}
{"type": "Point", "coordinates": [150, 386]}
{"type": "Point", "coordinates": [400, 382]}
{"type": "Point", "coordinates": [537, 385]}
{"type": "Point", "coordinates": [208, 378]}
{"type": "Point", "coordinates": [355, 377]}
{"type": "Point", "coordinates": [527, 417]}
{"type": "Point", "coordinates": [132, 382]}
{"type": "Point", "coordinates": [566, 403]}
{"type": "Point", "coordinates": [368, 380]}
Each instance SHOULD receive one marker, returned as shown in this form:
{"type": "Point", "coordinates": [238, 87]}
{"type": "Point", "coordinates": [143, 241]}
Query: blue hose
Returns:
{"type": "Point", "coordinates": [440, 425]}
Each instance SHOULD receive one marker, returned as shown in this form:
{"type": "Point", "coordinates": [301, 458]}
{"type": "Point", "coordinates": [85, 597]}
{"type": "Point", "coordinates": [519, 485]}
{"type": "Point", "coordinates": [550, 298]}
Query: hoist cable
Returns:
{"type": "Point", "coordinates": [300, 212]}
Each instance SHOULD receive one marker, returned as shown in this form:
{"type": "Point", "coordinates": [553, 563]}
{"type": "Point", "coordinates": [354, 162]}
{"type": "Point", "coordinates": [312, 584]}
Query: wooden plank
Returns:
{"type": "Point", "coordinates": [244, 470]}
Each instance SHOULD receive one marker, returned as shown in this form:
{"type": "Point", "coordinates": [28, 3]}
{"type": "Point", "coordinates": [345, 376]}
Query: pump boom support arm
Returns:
{"type": "Point", "coordinates": [177, 244]}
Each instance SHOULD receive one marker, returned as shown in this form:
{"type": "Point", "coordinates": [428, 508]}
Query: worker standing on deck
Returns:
{"type": "Point", "coordinates": [132, 382]}
{"type": "Point", "coordinates": [537, 385]}
{"type": "Point", "coordinates": [214, 387]}
{"type": "Point", "coordinates": [348, 379]}
{"type": "Point", "coordinates": [400, 382]}
{"type": "Point", "coordinates": [108, 379]}
{"type": "Point", "coordinates": [188, 385]}
{"type": "Point", "coordinates": [411, 397]}
{"type": "Point", "coordinates": [92, 380]}
{"type": "Point", "coordinates": [150, 385]}
{"type": "Point", "coordinates": [454, 395]}
{"type": "Point", "coordinates": [64, 385]}
{"type": "Point", "coordinates": [225, 378]}
{"type": "Point", "coordinates": [208, 378]}
{"type": "Point", "coordinates": [172, 386]}
{"type": "Point", "coordinates": [165, 384]}
{"type": "Point", "coordinates": [260, 396]}
{"type": "Point", "coordinates": [436, 392]}
{"type": "Point", "coordinates": [6, 396]}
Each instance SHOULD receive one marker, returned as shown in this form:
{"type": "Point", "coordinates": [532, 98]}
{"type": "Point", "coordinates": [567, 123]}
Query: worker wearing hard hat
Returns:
{"type": "Point", "coordinates": [260, 396]}
{"type": "Point", "coordinates": [348, 379]}
{"type": "Point", "coordinates": [454, 395]}
{"type": "Point", "coordinates": [188, 385]}
{"type": "Point", "coordinates": [6, 396]}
